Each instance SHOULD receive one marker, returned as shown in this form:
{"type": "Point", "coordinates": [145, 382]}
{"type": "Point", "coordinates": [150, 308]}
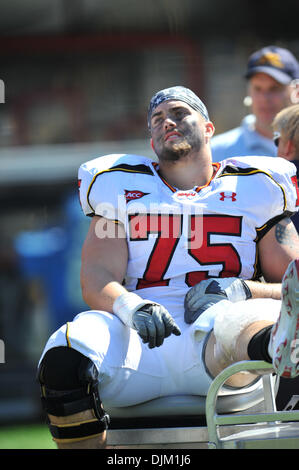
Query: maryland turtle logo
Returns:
{"type": "Point", "coordinates": [271, 58]}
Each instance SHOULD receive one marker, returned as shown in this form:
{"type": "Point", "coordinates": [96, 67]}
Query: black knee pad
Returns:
{"type": "Point", "coordinates": [69, 385]}
{"type": "Point", "coordinates": [62, 368]}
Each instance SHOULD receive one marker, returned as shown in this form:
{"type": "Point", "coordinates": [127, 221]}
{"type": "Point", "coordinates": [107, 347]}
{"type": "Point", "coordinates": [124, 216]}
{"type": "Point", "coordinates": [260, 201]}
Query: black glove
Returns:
{"type": "Point", "coordinates": [153, 323]}
{"type": "Point", "coordinates": [210, 291]}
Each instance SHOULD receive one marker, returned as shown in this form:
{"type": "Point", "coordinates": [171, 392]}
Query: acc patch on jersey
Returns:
{"type": "Point", "coordinates": [133, 194]}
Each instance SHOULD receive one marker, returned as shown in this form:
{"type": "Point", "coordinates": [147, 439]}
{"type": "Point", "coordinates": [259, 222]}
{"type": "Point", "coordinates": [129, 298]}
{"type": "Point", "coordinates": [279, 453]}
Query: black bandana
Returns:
{"type": "Point", "coordinates": [178, 93]}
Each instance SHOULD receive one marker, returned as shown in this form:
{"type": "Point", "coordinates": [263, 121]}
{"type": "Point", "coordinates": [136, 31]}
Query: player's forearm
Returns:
{"type": "Point", "coordinates": [264, 290]}
{"type": "Point", "coordinates": [99, 290]}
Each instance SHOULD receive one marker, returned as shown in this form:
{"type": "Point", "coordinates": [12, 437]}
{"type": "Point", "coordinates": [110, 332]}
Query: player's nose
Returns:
{"type": "Point", "coordinates": [169, 123]}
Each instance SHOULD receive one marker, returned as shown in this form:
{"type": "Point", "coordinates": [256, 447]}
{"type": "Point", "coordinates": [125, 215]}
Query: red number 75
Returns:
{"type": "Point", "coordinates": [169, 229]}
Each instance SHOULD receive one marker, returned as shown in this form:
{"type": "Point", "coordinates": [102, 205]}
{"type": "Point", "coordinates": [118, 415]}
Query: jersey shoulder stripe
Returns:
{"type": "Point", "coordinates": [142, 169]}
{"type": "Point", "coordinates": [261, 231]}
{"type": "Point", "coordinates": [231, 170]}
{"type": "Point", "coordinates": [95, 187]}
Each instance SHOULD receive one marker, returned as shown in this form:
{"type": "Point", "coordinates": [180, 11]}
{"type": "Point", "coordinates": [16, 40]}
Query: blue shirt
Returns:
{"type": "Point", "coordinates": [242, 141]}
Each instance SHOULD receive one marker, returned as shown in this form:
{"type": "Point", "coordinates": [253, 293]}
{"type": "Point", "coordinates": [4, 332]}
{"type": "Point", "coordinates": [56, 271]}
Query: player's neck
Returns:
{"type": "Point", "coordinates": [186, 175]}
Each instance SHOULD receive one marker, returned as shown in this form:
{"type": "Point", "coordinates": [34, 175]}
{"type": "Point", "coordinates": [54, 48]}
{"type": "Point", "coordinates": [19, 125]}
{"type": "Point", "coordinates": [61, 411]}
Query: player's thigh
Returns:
{"type": "Point", "coordinates": [129, 372]}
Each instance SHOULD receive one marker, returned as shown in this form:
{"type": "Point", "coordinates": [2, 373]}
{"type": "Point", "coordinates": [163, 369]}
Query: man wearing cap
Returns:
{"type": "Point", "coordinates": [169, 269]}
{"type": "Point", "coordinates": [272, 74]}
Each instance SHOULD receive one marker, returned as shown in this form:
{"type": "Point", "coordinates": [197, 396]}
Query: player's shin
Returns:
{"type": "Point", "coordinates": [70, 397]}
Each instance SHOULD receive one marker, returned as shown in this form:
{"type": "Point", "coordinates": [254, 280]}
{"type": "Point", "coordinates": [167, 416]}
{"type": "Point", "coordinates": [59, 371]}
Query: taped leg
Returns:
{"type": "Point", "coordinates": [234, 327]}
{"type": "Point", "coordinates": [70, 397]}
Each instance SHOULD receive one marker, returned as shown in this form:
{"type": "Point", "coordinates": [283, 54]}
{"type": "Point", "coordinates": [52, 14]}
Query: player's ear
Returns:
{"type": "Point", "coordinates": [152, 144]}
{"type": "Point", "coordinates": [210, 129]}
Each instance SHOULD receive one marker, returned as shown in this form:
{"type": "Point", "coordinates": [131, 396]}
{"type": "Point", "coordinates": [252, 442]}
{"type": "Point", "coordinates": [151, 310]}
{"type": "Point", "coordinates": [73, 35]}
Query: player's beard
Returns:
{"type": "Point", "coordinates": [177, 151]}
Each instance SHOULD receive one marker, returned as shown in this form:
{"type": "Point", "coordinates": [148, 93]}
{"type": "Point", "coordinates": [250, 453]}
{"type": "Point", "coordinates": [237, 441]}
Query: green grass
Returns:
{"type": "Point", "coordinates": [31, 436]}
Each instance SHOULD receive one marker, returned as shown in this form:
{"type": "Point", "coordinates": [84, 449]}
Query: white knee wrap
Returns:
{"type": "Point", "coordinates": [233, 318]}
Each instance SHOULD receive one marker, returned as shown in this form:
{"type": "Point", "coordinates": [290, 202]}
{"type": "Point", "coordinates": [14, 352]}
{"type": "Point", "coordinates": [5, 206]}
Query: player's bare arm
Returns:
{"type": "Point", "coordinates": [104, 262]}
{"type": "Point", "coordinates": [277, 249]}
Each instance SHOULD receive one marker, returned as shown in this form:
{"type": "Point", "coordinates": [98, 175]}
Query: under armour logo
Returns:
{"type": "Point", "coordinates": [232, 196]}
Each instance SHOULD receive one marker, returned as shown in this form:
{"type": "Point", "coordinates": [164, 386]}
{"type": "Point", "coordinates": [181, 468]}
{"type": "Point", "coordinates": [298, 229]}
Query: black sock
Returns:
{"type": "Point", "coordinates": [258, 345]}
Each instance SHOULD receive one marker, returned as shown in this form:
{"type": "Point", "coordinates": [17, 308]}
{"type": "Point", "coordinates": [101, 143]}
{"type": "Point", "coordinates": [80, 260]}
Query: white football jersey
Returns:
{"type": "Point", "coordinates": [176, 238]}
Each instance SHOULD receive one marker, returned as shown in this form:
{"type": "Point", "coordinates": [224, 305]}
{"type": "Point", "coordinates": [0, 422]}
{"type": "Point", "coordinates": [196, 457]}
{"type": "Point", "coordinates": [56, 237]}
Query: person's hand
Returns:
{"type": "Point", "coordinates": [153, 324]}
{"type": "Point", "coordinates": [211, 291]}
